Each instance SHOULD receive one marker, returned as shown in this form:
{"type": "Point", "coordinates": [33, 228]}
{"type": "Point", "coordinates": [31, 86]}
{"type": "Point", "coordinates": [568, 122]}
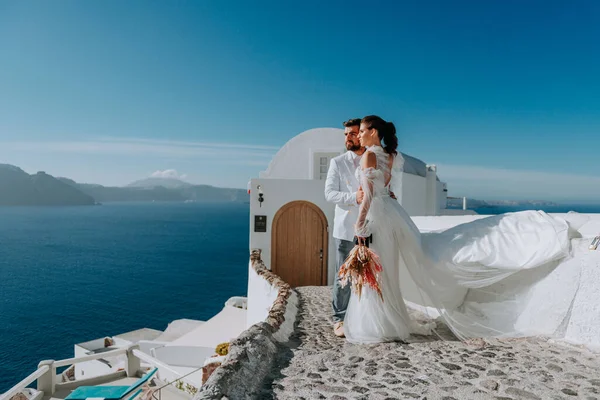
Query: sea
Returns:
{"type": "Point", "coordinates": [73, 274]}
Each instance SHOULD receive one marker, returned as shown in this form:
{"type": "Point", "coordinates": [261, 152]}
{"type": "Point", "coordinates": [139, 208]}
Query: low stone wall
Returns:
{"type": "Point", "coordinates": [252, 354]}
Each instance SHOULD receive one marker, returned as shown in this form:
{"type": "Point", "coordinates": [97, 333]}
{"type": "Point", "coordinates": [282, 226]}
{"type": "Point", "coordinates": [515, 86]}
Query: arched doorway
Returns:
{"type": "Point", "coordinates": [299, 244]}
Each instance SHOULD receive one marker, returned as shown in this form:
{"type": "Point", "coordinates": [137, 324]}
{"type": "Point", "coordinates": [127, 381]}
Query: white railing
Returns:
{"type": "Point", "coordinates": [19, 387]}
{"type": "Point", "coordinates": [47, 379]}
{"type": "Point", "coordinates": [177, 379]}
{"type": "Point", "coordinates": [155, 362]}
{"type": "Point", "coordinates": [91, 357]}
{"type": "Point", "coordinates": [46, 373]}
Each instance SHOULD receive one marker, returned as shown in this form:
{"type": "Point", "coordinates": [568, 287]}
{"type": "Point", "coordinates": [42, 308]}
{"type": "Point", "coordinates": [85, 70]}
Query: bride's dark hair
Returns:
{"type": "Point", "coordinates": [385, 130]}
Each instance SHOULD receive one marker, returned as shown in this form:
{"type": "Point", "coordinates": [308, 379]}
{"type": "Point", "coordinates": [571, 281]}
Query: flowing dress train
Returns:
{"type": "Point", "coordinates": [475, 276]}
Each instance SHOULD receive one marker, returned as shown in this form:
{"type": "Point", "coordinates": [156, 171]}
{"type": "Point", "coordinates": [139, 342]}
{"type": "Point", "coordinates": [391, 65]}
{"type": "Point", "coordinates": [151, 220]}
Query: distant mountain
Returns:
{"type": "Point", "coordinates": [160, 189]}
{"type": "Point", "coordinates": [169, 183]}
{"type": "Point", "coordinates": [18, 188]}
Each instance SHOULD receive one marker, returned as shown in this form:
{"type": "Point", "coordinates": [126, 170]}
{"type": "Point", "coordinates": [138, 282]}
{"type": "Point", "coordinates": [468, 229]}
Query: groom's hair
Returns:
{"type": "Point", "coordinates": [352, 122]}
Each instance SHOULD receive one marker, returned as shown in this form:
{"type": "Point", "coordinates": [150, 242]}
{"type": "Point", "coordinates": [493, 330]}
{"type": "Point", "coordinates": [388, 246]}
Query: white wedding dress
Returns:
{"type": "Point", "coordinates": [463, 273]}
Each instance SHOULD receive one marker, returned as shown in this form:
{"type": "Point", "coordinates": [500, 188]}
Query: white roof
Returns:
{"type": "Point", "coordinates": [293, 159]}
{"type": "Point", "coordinates": [177, 329]}
{"type": "Point", "coordinates": [223, 327]}
{"type": "Point", "coordinates": [139, 334]}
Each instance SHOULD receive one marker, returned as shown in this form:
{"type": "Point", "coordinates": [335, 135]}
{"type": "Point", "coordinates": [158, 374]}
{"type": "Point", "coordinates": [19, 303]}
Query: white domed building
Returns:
{"type": "Point", "coordinates": [290, 220]}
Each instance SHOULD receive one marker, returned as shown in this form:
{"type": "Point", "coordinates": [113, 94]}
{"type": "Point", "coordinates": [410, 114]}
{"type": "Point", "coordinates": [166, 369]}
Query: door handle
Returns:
{"type": "Point", "coordinates": [321, 254]}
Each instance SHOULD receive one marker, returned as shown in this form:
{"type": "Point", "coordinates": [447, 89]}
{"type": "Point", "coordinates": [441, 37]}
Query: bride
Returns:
{"type": "Point", "coordinates": [463, 273]}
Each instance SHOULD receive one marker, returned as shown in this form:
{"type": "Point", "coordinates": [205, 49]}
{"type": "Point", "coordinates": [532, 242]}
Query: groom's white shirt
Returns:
{"type": "Point", "coordinates": [340, 188]}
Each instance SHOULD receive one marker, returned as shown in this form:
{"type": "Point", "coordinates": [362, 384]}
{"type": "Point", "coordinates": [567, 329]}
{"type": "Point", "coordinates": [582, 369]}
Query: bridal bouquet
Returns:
{"type": "Point", "coordinates": [362, 267]}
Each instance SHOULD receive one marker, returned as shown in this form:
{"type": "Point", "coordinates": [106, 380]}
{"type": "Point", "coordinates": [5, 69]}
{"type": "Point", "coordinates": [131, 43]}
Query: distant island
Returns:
{"type": "Point", "coordinates": [18, 188]}
{"type": "Point", "coordinates": [473, 203]}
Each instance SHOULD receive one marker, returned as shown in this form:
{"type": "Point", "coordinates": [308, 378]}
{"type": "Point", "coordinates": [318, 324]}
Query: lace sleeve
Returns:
{"type": "Point", "coordinates": [367, 177]}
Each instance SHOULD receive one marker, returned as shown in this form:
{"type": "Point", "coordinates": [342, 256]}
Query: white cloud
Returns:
{"type": "Point", "coordinates": [190, 143]}
{"type": "Point", "coordinates": [497, 183]}
{"type": "Point", "coordinates": [238, 152]}
{"type": "Point", "coordinates": [168, 173]}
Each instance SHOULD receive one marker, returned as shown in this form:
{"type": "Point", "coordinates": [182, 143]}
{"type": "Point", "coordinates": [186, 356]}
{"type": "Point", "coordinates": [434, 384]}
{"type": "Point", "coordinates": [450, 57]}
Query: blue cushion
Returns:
{"type": "Point", "coordinates": [107, 392]}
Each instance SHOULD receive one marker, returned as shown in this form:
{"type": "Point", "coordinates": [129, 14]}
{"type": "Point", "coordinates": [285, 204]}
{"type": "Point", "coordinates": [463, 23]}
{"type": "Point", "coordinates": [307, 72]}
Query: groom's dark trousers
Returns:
{"type": "Point", "coordinates": [341, 295]}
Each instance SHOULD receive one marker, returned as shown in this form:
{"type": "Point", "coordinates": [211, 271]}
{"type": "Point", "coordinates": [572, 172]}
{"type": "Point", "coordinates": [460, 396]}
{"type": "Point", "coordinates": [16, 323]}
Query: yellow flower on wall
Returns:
{"type": "Point", "coordinates": [222, 349]}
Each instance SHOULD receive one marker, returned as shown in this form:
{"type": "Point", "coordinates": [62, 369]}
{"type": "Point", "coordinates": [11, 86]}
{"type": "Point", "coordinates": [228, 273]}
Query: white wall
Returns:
{"type": "Point", "coordinates": [431, 191]}
{"type": "Point", "coordinates": [442, 196]}
{"type": "Point", "coordinates": [93, 368]}
{"type": "Point", "coordinates": [183, 356]}
{"type": "Point", "coordinates": [277, 193]}
{"type": "Point", "coordinates": [291, 312]}
{"type": "Point", "coordinates": [591, 228]}
{"type": "Point", "coordinates": [261, 296]}
{"type": "Point", "coordinates": [414, 190]}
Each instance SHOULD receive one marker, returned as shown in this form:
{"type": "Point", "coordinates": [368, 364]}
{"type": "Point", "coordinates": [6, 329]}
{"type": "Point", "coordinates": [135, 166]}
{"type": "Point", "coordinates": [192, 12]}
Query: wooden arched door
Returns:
{"type": "Point", "coordinates": [299, 244]}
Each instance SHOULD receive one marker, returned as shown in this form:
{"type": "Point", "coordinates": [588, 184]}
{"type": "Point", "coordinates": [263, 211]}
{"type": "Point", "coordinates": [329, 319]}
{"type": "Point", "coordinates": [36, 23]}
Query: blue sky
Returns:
{"type": "Point", "coordinates": [504, 96]}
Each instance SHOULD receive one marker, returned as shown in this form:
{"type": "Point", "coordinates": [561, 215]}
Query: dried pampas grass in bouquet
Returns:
{"type": "Point", "coordinates": [361, 268]}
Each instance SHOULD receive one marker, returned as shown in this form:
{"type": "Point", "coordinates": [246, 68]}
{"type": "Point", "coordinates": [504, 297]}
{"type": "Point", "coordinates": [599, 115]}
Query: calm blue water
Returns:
{"type": "Point", "coordinates": [73, 274]}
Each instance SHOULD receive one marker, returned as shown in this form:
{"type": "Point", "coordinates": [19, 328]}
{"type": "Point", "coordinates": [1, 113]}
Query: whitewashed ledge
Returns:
{"type": "Point", "coordinates": [272, 310]}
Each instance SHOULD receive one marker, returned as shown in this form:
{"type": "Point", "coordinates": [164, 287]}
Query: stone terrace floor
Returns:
{"type": "Point", "coordinates": [315, 364]}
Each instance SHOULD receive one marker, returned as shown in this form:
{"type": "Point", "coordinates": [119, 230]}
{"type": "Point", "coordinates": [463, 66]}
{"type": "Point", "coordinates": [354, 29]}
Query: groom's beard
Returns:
{"type": "Point", "coordinates": [352, 147]}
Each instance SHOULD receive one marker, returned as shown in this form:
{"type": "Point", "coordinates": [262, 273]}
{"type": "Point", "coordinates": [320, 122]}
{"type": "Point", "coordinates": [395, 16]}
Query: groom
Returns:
{"type": "Point", "coordinates": [343, 189]}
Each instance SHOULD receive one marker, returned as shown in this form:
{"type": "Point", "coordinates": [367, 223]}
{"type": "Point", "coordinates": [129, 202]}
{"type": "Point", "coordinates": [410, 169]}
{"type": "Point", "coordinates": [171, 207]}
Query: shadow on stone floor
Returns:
{"type": "Point", "coordinates": [284, 356]}
{"type": "Point", "coordinates": [441, 333]}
